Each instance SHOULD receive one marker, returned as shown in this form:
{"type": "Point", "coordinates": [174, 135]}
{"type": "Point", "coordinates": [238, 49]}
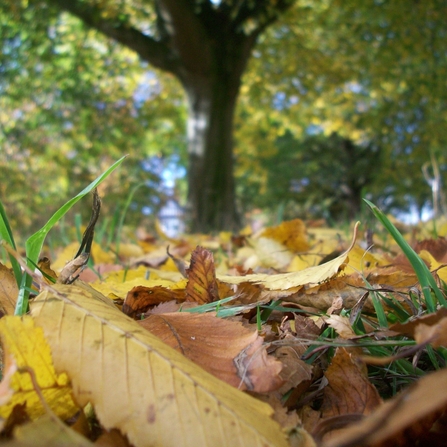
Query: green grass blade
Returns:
{"type": "Point", "coordinates": [35, 242]}
{"type": "Point", "coordinates": [423, 274]}
{"type": "Point", "coordinates": [6, 235]}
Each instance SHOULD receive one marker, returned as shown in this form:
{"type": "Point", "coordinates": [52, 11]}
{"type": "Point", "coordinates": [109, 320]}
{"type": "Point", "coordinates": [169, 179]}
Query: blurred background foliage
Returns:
{"type": "Point", "coordinates": [340, 100]}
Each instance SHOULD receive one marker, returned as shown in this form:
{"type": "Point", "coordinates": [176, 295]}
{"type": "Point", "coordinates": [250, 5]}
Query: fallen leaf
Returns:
{"type": "Point", "coordinates": [428, 319]}
{"type": "Point", "coordinates": [341, 324]}
{"type": "Point", "coordinates": [400, 420]}
{"type": "Point", "coordinates": [348, 390]}
{"type": "Point", "coordinates": [310, 276]}
{"type": "Point", "coordinates": [436, 334]}
{"type": "Point", "coordinates": [202, 286]}
{"type": "Point", "coordinates": [26, 344]}
{"type": "Point", "coordinates": [47, 431]}
{"type": "Point", "coordinates": [141, 386]}
{"type": "Point", "coordinates": [224, 348]}
{"type": "Point", "coordinates": [294, 371]}
{"type": "Point", "coordinates": [44, 265]}
{"type": "Point", "coordinates": [291, 233]}
{"type": "Point", "coordinates": [140, 298]}
{"type": "Point", "coordinates": [8, 291]}
{"type": "Point", "coordinates": [269, 253]}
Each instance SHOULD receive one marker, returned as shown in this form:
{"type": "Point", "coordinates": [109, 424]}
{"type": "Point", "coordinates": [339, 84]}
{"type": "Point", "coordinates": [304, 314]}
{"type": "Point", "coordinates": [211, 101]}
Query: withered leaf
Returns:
{"type": "Point", "coordinates": [348, 389]}
{"type": "Point", "coordinates": [429, 320]}
{"type": "Point", "coordinates": [399, 420]}
{"type": "Point", "coordinates": [294, 371]}
{"type": "Point", "coordinates": [202, 287]}
{"type": "Point", "coordinates": [140, 298]}
{"type": "Point", "coordinates": [224, 348]}
{"type": "Point", "coordinates": [8, 291]}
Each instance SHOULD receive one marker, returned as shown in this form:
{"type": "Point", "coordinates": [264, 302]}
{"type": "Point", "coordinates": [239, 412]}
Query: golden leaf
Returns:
{"type": "Point", "coordinates": [141, 386]}
{"type": "Point", "coordinates": [291, 233]}
{"type": "Point", "coordinates": [26, 344]}
{"type": "Point", "coordinates": [310, 276]}
{"type": "Point", "coordinates": [202, 286]}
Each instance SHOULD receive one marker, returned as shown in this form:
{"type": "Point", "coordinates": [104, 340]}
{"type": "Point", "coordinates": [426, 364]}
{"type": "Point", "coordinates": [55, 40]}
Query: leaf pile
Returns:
{"type": "Point", "coordinates": [219, 342]}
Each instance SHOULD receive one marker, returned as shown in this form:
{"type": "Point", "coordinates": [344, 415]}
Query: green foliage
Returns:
{"type": "Point", "coordinates": [71, 102]}
{"type": "Point", "coordinates": [317, 176]}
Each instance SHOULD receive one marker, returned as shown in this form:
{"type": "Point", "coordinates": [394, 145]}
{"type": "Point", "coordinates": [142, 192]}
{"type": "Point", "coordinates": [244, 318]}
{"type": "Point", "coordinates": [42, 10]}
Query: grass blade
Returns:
{"type": "Point", "coordinates": [6, 235]}
{"type": "Point", "coordinates": [423, 274]}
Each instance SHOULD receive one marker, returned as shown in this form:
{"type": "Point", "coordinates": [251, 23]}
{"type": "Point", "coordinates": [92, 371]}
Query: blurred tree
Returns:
{"type": "Point", "coordinates": [206, 45]}
{"type": "Point", "coordinates": [70, 105]}
{"type": "Point", "coordinates": [371, 71]}
{"type": "Point", "coordinates": [316, 177]}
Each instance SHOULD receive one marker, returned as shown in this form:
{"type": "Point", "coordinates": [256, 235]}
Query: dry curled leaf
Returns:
{"type": "Point", "coordinates": [399, 421]}
{"type": "Point", "coordinates": [310, 276]}
{"type": "Point", "coordinates": [202, 286]}
{"type": "Point", "coordinates": [8, 291]}
{"type": "Point", "coordinates": [348, 389]}
{"type": "Point", "coordinates": [140, 298]}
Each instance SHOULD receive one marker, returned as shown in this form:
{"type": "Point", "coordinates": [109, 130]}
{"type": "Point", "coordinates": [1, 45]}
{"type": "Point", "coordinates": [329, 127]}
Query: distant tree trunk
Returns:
{"type": "Point", "coordinates": [211, 195]}
{"type": "Point", "coordinates": [212, 102]}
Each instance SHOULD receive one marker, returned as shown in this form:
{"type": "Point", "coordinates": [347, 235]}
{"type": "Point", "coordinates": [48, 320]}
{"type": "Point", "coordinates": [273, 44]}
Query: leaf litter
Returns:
{"type": "Point", "coordinates": [253, 347]}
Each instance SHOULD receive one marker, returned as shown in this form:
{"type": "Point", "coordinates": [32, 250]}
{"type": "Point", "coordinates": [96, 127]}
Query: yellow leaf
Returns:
{"type": "Point", "coordinates": [290, 233]}
{"type": "Point", "coordinates": [100, 256]}
{"type": "Point", "coordinates": [140, 385]}
{"type": "Point", "coordinates": [310, 276]}
{"type": "Point", "coordinates": [441, 268]}
{"type": "Point", "coordinates": [361, 261]}
{"type": "Point", "coordinates": [28, 347]}
{"type": "Point", "coordinates": [271, 253]}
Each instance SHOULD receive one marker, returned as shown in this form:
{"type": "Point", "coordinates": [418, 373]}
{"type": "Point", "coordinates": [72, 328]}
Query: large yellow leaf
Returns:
{"type": "Point", "coordinates": [140, 385]}
{"type": "Point", "coordinates": [310, 276]}
{"type": "Point", "coordinates": [26, 345]}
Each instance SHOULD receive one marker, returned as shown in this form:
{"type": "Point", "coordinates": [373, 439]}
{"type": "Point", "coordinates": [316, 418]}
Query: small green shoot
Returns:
{"type": "Point", "coordinates": [34, 243]}
{"type": "Point", "coordinates": [428, 283]}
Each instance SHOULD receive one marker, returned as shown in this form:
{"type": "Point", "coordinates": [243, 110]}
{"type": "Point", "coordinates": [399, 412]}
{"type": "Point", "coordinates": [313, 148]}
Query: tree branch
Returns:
{"type": "Point", "coordinates": [187, 34]}
{"type": "Point", "coordinates": [155, 52]}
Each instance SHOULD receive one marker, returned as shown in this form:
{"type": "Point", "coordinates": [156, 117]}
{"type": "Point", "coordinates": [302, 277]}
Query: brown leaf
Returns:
{"type": "Point", "coordinates": [401, 420]}
{"type": "Point", "coordinates": [410, 327]}
{"type": "Point", "coordinates": [8, 291]}
{"type": "Point", "coordinates": [341, 324]}
{"type": "Point", "coordinates": [140, 298]}
{"type": "Point", "coordinates": [44, 265]}
{"type": "Point", "coordinates": [348, 390]}
{"type": "Point", "coordinates": [294, 371]}
{"type": "Point", "coordinates": [202, 286]}
{"type": "Point", "coordinates": [436, 335]}
{"type": "Point", "coordinates": [224, 348]}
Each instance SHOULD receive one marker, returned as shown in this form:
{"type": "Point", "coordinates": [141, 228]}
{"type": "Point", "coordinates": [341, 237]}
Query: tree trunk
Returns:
{"type": "Point", "coordinates": [212, 96]}
{"type": "Point", "coordinates": [211, 194]}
